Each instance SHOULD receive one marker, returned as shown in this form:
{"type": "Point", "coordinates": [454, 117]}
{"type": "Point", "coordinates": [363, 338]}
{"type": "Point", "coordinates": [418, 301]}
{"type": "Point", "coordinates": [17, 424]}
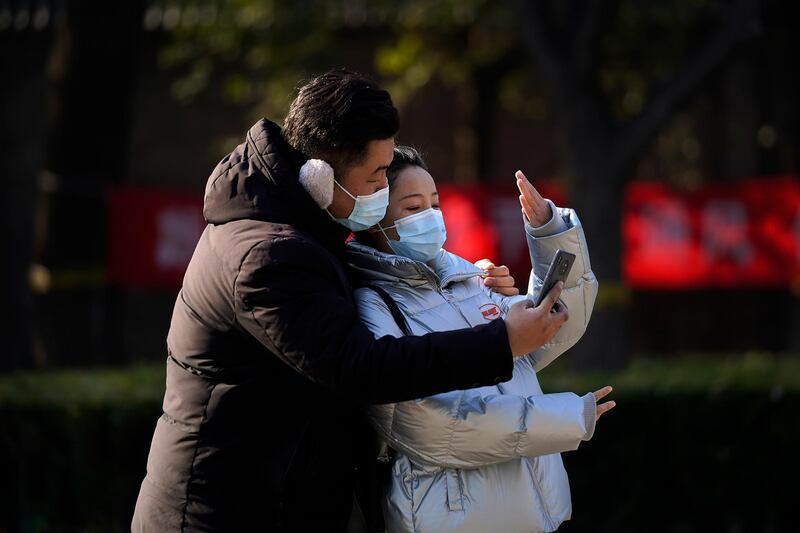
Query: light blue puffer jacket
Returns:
{"type": "Point", "coordinates": [484, 459]}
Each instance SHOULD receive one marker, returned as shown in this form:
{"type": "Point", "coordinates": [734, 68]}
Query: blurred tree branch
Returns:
{"type": "Point", "coordinates": [740, 24]}
{"type": "Point", "coordinates": [600, 149]}
{"type": "Point", "coordinates": [613, 78]}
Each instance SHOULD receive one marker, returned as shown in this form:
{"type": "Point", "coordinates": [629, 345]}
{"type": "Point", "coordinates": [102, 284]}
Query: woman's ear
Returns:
{"type": "Point", "coordinates": [316, 177]}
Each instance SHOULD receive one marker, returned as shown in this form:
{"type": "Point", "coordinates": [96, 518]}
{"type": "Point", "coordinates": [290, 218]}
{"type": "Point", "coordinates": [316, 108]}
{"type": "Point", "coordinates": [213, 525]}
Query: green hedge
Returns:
{"type": "Point", "coordinates": [75, 444]}
{"type": "Point", "coordinates": [695, 444]}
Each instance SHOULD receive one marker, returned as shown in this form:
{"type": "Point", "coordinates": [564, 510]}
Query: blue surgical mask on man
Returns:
{"type": "Point", "coordinates": [421, 235]}
{"type": "Point", "coordinates": [368, 211]}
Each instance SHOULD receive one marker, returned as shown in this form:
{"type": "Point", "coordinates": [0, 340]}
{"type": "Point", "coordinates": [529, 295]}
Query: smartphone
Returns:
{"type": "Point", "coordinates": [558, 271]}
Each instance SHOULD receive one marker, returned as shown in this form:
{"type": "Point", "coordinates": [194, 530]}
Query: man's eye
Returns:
{"type": "Point", "coordinates": [412, 208]}
{"type": "Point", "coordinates": [435, 206]}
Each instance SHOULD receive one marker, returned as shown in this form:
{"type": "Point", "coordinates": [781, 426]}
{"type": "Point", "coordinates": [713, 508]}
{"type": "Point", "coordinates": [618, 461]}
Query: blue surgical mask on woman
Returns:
{"type": "Point", "coordinates": [421, 235]}
{"type": "Point", "coordinates": [368, 211]}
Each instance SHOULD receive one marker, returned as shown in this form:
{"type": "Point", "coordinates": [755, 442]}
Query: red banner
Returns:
{"type": "Point", "coordinates": [485, 221]}
{"type": "Point", "coordinates": [152, 233]}
{"type": "Point", "coordinates": [151, 236]}
{"type": "Point", "coordinates": [723, 235]}
{"type": "Point", "coordinates": [727, 235]}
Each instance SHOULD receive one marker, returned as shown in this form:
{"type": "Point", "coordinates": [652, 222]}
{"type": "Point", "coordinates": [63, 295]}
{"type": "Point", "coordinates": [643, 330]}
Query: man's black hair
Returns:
{"type": "Point", "coordinates": [336, 115]}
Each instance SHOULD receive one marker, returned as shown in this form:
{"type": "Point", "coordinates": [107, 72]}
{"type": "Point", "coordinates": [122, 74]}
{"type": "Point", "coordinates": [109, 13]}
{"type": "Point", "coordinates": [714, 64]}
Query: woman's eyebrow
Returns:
{"type": "Point", "coordinates": [411, 195]}
{"type": "Point", "coordinates": [417, 194]}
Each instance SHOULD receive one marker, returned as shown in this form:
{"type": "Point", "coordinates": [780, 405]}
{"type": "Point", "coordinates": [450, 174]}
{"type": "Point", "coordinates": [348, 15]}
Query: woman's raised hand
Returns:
{"type": "Point", "coordinates": [534, 207]}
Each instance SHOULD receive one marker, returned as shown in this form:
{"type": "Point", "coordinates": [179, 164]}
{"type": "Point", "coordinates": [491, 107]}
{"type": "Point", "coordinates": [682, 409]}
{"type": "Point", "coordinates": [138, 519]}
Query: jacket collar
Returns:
{"type": "Point", "coordinates": [371, 265]}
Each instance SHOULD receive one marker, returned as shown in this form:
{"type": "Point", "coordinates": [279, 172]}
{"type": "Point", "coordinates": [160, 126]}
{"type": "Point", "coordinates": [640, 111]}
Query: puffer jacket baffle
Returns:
{"type": "Point", "coordinates": [487, 458]}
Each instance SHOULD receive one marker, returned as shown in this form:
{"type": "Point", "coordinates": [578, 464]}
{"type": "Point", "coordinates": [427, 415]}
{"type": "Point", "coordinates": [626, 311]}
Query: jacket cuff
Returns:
{"type": "Point", "coordinates": [502, 360]}
{"type": "Point", "coordinates": [554, 226]}
{"type": "Point", "coordinates": [481, 356]}
{"type": "Point", "coordinates": [589, 415]}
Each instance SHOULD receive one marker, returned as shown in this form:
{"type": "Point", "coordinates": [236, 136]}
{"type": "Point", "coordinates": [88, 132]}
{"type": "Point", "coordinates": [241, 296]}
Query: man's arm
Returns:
{"type": "Point", "coordinates": [297, 308]}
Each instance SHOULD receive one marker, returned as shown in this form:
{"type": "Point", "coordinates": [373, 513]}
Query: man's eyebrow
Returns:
{"type": "Point", "coordinates": [382, 167]}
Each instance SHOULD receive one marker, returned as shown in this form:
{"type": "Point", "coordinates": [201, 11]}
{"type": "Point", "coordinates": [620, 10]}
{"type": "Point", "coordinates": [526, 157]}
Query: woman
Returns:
{"type": "Point", "coordinates": [484, 459]}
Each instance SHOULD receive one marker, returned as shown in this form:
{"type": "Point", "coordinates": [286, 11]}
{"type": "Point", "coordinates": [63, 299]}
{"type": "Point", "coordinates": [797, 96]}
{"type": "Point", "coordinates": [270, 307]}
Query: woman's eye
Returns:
{"type": "Point", "coordinates": [435, 206]}
{"type": "Point", "coordinates": [412, 208]}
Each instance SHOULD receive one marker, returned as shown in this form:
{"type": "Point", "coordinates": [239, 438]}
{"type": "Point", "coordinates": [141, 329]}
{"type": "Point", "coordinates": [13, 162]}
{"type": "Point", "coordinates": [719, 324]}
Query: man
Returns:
{"type": "Point", "coordinates": [268, 360]}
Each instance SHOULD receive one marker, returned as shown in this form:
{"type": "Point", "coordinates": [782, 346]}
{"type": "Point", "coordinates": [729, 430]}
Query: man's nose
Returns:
{"type": "Point", "coordinates": [384, 182]}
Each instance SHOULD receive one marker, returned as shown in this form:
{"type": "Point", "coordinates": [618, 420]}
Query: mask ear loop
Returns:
{"type": "Point", "coordinates": [346, 192]}
{"type": "Point", "coordinates": [384, 233]}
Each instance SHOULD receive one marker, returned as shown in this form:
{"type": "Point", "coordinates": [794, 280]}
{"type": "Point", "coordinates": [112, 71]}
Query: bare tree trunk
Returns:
{"type": "Point", "coordinates": [87, 151]}
{"type": "Point", "coordinates": [486, 81]}
{"type": "Point", "coordinates": [596, 197]}
{"type": "Point", "coordinates": [464, 136]}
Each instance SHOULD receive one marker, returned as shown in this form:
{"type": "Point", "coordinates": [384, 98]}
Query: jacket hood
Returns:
{"type": "Point", "coordinates": [259, 180]}
{"type": "Point", "coordinates": [370, 265]}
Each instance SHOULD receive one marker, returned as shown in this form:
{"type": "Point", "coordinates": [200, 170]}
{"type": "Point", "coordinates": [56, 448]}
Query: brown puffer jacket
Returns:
{"type": "Point", "coordinates": [268, 362]}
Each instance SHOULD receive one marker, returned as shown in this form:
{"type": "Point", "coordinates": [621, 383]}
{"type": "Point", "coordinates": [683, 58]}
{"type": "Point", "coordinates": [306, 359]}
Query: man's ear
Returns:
{"type": "Point", "coordinates": [316, 177]}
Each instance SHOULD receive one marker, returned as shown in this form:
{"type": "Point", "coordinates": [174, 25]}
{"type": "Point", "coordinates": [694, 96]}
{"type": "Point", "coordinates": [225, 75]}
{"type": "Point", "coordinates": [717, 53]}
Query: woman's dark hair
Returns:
{"type": "Point", "coordinates": [336, 115]}
{"type": "Point", "coordinates": [404, 156]}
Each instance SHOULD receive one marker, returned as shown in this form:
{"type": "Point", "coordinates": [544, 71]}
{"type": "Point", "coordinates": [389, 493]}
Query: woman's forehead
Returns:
{"type": "Point", "coordinates": [411, 180]}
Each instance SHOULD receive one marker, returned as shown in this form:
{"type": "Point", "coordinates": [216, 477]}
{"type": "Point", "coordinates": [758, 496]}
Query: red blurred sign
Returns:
{"type": "Point", "coordinates": [151, 236]}
{"type": "Point", "coordinates": [747, 234]}
{"type": "Point", "coordinates": [152, 233]}
{"type": "Point", "coordinates": [485, 221]}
